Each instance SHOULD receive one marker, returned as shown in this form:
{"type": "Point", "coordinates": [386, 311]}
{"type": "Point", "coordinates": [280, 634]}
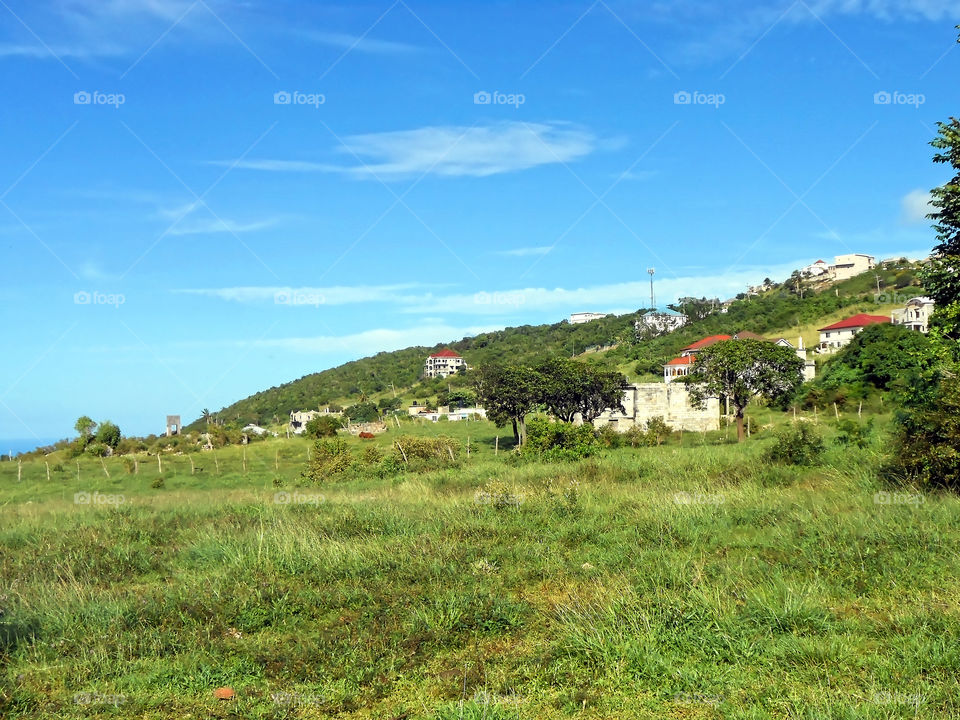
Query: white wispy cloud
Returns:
{"type": "Point", "coordinates": [333, 295]}
{"type": "Point", "coordinates": [363, 43]}
{"type": "Point", "coordinates": [728, 30]}
{"type": "Point", "coordinates": [527, 251]}
{"type": "Point", "coordinates": [450, 151]}
{"type": "Point", "coordinates": [218, 225]}
{"type": "Point", "coordinates": [915, 206]}
{"type": "Point", "coordinates": [516, 302]}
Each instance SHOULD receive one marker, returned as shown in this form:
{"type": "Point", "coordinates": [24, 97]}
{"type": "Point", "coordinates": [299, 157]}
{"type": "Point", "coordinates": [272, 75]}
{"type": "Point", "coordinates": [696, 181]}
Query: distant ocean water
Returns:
{"type": "Point", "coordinates": [22, 445]}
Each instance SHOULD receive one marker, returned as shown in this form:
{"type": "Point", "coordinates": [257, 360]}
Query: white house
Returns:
{"type": "Point", "coordinates": [846, 266]}
{"type": "Point", "coordinates": [915, 315]}
{"type": "Point", "coordinates": [585, 317]}
{"type": "Point", "coordinates": [809, 366]}
{"type": "Point", "coordinates": [833, 337]}
{"type": "Point", "coordinates": [661, 322]}
{"type": "Point", "coordinates": [443, 364]}
{"type": "Point", "coordinates": [816, 269]}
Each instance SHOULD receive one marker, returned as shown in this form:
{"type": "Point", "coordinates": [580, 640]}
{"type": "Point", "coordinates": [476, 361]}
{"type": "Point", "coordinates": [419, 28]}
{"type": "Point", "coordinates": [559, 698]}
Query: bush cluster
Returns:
{"type": "Point", "coordinates": [800, 443]}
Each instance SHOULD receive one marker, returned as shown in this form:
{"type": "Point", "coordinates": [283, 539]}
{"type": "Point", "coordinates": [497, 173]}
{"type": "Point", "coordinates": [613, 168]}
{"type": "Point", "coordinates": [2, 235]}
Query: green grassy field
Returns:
{"type": "Point", "coordinates": [691, 580]}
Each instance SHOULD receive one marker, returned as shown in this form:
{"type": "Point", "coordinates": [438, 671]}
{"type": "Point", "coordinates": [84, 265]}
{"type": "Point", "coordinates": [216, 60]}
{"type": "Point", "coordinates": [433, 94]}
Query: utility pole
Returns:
{"type": "Point", "coordinates": [653, 303]}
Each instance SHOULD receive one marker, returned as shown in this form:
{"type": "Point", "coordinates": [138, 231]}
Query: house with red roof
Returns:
{"type": "Point", "coordinates": [443, 364]}
{"type": "Point", "coordinates": [680, 366]}
{"type": "Point", "coordinates": [835, 336]}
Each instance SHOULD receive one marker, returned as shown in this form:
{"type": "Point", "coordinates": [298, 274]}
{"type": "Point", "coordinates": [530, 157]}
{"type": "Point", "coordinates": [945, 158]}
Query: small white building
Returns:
{"type": "Point", "coordinates": [847, 266]}
{"type": "Point", "coordinates": [833, 337]}
{"type": "Point", "coordinates": [660, 322]}
{"type": "Point", "coordinates": [585, 317]}
{"type": "Point", "coordinates": [815, 269]}
{"type": "Point", "coordinates": [915, 315]}
{"type": "Point", "coordinates": [252, 429]}
{"type": "Point", "coordinates": [809, 366]}
{"type": "Point", "coordinates": [443, 364]}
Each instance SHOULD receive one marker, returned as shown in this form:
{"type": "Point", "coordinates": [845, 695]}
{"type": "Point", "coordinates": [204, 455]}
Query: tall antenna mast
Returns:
{"type": "Point", "coordinates": [653, 302]}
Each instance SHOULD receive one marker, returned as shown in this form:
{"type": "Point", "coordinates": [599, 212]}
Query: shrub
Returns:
{"type": "Point", "coordinates": [96, 449]}
{"type": "Point", "coordinates": [426, 448]}
{"type": "Point", "coordinates": [157, 484]}
{"type": "Point", "coordinates": [798, 444]}
{"type": "Point", "coordinates": [657, 430]}
{"type": "Point", "coordinates": [851, 432]}
{"type": "Point", "coordinates": [560, 440]}
{"type": "Point", "coordinates": [927, 445]}
{"type": "Point", "coordinates": [609, 437]}
{"type": "Point", "coordinates": [323, 426]}
{"type": "Point", "coordinates": [329, 458]}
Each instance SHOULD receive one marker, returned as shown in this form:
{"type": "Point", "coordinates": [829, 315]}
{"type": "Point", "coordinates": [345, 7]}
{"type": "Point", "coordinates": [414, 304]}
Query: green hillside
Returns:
{"type": "Point", "coordinates": [780, 311]}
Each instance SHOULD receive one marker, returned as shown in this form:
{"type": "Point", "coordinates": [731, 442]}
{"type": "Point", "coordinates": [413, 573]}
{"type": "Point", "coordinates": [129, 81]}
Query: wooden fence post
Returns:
{"type": "Point", "coordinates": [496, 446]}
{"type": "Point", "coordinates": [48, 469]}
{"type": "Point", "coordinates": [104, 466]}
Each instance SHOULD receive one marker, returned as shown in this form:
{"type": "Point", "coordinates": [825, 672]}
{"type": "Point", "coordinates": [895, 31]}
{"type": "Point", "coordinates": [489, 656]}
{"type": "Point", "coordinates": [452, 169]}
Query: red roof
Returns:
{"type": "Point", "coordinates": [686, 360]}
{"type": "Point", "coordinates": [446, 353]}
{"type": "Point", "coordinates": [860, 320]}
{"type": "Point", "coordinates": [706, 342]}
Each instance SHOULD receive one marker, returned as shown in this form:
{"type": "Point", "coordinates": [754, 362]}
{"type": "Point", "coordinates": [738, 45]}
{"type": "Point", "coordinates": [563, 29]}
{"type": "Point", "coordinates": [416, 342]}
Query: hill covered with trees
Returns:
{"type": "Point", "coordinates": [780, 310]}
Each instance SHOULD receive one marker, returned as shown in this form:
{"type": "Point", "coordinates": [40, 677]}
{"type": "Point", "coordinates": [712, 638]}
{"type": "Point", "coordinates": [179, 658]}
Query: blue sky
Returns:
{"type": "Point", "coordinates": [200, 200]}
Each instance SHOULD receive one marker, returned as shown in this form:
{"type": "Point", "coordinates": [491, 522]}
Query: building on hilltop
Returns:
{"type": "Point", "coordinates": [660, 322]}
{"type": "Point", "coordinates": [815, 269]}
{"type": "Point", "coordinates": [680, 366]}
{"type": "Point", "coordinates": [443, 364]}
{"type": "Point", "coordinates": [585, 317]}
{"type": "Point", "coordinates": [835, 336]}
{"type": "Point", "coordinates": [915, 315]}
{"type": "Point", "coordinates": [847, 266]}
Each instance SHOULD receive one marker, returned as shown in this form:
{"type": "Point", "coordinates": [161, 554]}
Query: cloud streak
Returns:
{"type": "Point", "coordinates": [446, 151]}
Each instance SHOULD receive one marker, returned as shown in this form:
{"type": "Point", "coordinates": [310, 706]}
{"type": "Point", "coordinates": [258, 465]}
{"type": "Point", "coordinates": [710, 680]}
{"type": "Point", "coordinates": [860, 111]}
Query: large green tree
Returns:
{"type": "Point", "coordinates": [569, 388]}
{"type": "Point", "coordinates": [741, 370]}
{"type": "Point", "coordinates": [85, 427]}
{"type": "Point", "coordinates": [509, 393]}
{"type": "Point", "coordinates": [942, 278]}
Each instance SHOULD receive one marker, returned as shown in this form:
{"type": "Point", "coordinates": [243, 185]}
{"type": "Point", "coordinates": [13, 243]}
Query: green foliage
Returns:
{"type": "Point", "coordinates": [440, 447]}
{"type": "Point", "coordinates": [879, 355]}
{"type": "Point", "coordinates": [362, 412]}
{"type": "Point", "coordinates": [388, 404]}
{"type": "Point", "coordinates": [97, 449]}
{"type": "Point", "coordinates": [797, 444]}
{"type": "Point", "coordinates": [323, 426]}
{"type": "Point", "coordinates": [744, 369]}
{"type": "Point", "coordinates": [569, 388]}
{"type": "Point", "coordinates": [855, 433]}
{"type": "Point", "coordinates": [558, 440]}
{"type": "Point", "coordinates": [157, 483]}
{"type": "Point", "coordinates": [509, 393]}
{"type": "Point", "coordinates": [656, 430]}
{"type": "Point", "coordinates": [108, 434]}
{"type": "Point", "coordinates": [927, 444]}
{"type": "Point", "coordinates": [328, 459]}
{"type": "Point", "coordinates": [85, 426]}
{"type": "Point", "coordinates": [942, 278]}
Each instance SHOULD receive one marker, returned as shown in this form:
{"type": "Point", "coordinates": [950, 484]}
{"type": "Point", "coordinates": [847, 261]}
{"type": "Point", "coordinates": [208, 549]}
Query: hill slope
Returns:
{"type": "Point", "coordinates": [777, 312]}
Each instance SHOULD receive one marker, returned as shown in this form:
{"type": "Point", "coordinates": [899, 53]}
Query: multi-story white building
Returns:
{"type": "Point", "coordinates": [915, 315]}
{"type": "Point", "coordinates": [846, 266]}
{"type": "Point", "coordinates": [833, 337]}
{"type": "Point", "coordinates": [443, 364]}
